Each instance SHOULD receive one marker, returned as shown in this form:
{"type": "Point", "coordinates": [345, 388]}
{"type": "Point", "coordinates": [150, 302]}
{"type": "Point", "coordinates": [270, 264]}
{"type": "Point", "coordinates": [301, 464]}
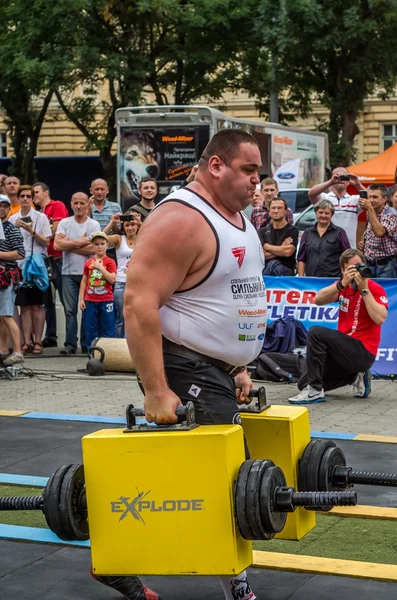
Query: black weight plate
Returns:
{"type": "Point", "coordinates": [51, 496]}
{"type": "Point", "coordinates": [313, 466]}
{"type": "Point", "coordinates": [273, 520]}
{"type": "Point", "coordinates": [252, 504]}
{"type": "Point", "coordinates": [240, 493]}
{"type": "Point", "coordinates": [302, 466]}
{"type": "Point", "coordinates": [73, 514]}
{"type": "Point", "coordinates": [332, 457]}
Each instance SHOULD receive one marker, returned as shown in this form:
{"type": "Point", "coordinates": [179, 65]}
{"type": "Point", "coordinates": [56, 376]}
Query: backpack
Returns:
{"type": "Point", "coordinates": [283, 335]}
{"type": "Point", "coordinates": [34, 272]}
{"type": "Point", "coordinates": [273, 366]}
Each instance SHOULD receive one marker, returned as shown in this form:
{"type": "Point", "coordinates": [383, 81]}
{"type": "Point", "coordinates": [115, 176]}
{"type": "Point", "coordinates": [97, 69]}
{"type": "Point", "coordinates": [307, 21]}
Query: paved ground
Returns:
{"type": "Point", "coordinates": [62, 389]}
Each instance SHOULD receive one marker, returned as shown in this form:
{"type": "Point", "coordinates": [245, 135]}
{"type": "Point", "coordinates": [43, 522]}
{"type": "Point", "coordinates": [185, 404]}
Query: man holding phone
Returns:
{"type": "Point", "coordinates": [347, 206]}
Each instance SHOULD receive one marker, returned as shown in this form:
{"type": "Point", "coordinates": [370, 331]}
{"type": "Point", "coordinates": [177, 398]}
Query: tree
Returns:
{"type": "Point", "coordinates": [340, 52]}
{"type": "Point", "coordinates": [30, 66]}
{"type": "Point", "coordinates": [184, 49]}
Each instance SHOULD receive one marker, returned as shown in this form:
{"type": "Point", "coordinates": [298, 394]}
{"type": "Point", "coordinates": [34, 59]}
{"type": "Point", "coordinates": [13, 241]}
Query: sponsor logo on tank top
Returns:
{"type": "Point", "coordinates": [239, 253]}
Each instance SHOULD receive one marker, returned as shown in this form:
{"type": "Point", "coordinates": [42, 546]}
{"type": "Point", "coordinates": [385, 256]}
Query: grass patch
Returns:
{"type": "Point", "coordinates": [28, 518]}
{"type": "Point", "coordinates": [368, 540]}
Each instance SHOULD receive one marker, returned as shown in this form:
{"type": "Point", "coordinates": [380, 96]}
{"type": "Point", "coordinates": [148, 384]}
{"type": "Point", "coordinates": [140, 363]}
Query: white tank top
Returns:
{"type": "Point", "coordinates": [224, 315]}
{"type": "Point", "coordinates": [123, 258]}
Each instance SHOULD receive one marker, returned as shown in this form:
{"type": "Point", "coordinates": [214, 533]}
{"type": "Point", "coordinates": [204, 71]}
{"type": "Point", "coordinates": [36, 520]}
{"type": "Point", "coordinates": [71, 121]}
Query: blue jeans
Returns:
{"type": "Point", "coordinates": [70, 295]}
{"type": "Point", "coordinates": [119, 288]}
{"type": "Point", "coordinates": [99, 320]}
{"type": "Point", "coordinates": [387, 271]}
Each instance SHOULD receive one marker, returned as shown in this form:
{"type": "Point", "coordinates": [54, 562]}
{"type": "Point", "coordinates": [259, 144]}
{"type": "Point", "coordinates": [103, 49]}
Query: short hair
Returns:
{"type": "Point", "coordinates": [379, 186]}
{"type": "Point", "coordinates": [14, 176]}
{"type": "Point", "coordinates": [226, 144]}
{"type": "Point", "coordinates": [43, 186]}
{"type": "Point", "coordinates": [22, 188]}
{"type": "Point", "coordinates": [268, 181]}
{"type": "Point", "coordinates": [348, 254]}
{"type": "Point", "coordinates": [146, 180]}
{"type": "Point", "coordinates": [281, 200]}
{"type": "Point", "coordinates": [324, 205]}
{"type": "Point", "coordinates": [86, 198]}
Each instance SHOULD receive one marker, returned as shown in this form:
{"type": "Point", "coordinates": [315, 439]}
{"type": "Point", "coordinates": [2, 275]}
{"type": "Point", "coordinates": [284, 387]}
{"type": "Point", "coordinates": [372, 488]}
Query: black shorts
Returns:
{"type": "Point", "coordinates": [211, 390]}
{"type": "Point", "coordinates": [32, 296]}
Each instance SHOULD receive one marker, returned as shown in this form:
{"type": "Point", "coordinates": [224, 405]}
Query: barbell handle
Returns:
{"type": "Point", "coordinates": [182, 412]}
{"type": "Point", "coordinates": [259, 406]}
{"type": "Point", "coordinates": [346, 476]}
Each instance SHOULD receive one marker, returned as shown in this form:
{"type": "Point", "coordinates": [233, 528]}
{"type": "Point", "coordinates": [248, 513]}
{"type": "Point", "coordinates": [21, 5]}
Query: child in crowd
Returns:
{"type": "Point", "coordinates": [96, 290]}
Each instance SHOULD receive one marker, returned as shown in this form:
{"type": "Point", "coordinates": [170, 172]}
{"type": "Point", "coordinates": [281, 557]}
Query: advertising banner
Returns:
{"type": "Point", "coordinates": [294, 297]}
{"type": "Point", "coordinates": [287, 175]}
{"type": "Point", "coordinates": [308, 148]}
{"type": "Point", "coordinates": [165, 154]}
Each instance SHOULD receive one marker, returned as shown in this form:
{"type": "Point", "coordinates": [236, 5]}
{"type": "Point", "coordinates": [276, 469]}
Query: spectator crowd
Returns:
{"type": "Point", "coordinates": [86, 254]}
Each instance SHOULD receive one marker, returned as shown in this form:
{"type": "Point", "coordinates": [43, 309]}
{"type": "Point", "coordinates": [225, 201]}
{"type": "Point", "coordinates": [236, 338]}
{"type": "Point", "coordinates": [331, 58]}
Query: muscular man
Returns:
{"type": "Point", "coordinates": [344, 357]}
{"type": "Point", "coordinates": [187, 295]}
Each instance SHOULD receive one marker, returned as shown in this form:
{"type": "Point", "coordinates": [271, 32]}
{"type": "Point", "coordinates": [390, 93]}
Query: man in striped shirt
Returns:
{"type": "Point", "coordinates": [346, 206]}
{"type": "Point", "coordinates": [11, 250]}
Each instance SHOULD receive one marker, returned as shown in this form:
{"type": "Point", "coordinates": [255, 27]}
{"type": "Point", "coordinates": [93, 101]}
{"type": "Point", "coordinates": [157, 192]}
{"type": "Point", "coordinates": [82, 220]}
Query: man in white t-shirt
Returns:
{"type": "Point", "coordinates": [73, 239]}
{"type": "Point", "coordinates": [346, 207]}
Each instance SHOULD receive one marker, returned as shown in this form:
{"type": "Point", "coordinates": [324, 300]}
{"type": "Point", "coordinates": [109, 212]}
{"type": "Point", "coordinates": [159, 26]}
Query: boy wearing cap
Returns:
{"type": "Point", "coordinates": [96, 291]}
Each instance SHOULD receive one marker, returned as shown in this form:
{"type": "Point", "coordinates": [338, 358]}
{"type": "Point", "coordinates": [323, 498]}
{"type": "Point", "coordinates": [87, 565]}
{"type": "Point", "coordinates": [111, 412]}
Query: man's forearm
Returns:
{"type": "Point", "coordinates": [66, 245]}
{"type": "Point", "coordinates": [318, 189]}
{"type": "Point", "coordinates": [327, 295]}
{"type": "Point", "coordinates": [11, 255]}
{"type": "Point", "coordinates": [280, 250]}
{"type": "Point", "coordinates": [145, 343]}
{"type": "Point", "coordinates": [377, 228]}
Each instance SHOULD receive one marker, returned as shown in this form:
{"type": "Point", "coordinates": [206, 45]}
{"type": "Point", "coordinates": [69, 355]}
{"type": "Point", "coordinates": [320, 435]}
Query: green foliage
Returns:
{"type": "Point", "coordinates": [340, 52]}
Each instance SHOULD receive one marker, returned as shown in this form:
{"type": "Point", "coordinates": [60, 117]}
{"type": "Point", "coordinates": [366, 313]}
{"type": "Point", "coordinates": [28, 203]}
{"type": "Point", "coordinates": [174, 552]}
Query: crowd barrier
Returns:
{"type": "Point", "coordinates": [294, 297]}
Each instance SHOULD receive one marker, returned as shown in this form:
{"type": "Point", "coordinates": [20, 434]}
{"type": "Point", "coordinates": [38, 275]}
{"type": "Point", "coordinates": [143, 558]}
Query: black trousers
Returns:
{"type": "Point", "coordinates": [212, 391]}
{"type": "Point", "coordinates": [333, 359]}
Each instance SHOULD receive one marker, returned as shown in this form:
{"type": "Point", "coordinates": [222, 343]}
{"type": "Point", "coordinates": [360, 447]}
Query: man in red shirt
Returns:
{"type": "Point", "coordinates": [55, 210]}
{"type": "Point", "coordinates": [344, 357]}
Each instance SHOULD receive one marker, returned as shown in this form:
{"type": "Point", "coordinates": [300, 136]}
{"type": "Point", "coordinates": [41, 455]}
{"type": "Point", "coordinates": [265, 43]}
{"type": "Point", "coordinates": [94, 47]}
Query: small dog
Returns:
{"type": "Point", "coordinates": [140, 158]}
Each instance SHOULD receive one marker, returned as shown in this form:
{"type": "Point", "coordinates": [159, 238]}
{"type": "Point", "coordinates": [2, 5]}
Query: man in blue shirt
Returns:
{"type": "Point", "coordinates": [102, 209]}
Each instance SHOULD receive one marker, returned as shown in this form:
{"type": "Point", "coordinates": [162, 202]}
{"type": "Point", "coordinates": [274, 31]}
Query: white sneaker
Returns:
{"type": "Point", "coordinates": [308, 396]}
{"type": "Point", "coordinates": [13, 359]}
{"type": "Point", "coordinates": [362, 385]}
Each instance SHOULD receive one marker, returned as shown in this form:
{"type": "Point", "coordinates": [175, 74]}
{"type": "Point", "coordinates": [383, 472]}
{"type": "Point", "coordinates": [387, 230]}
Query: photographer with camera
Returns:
{"type": "Point", "coordinates": [129, 225]}
{"type": "Point", "coordinates": [347, 207]}
{"type": "Point", "coordinates": [336, 358]}
{"type": "Point", "coordinates": [380, 236]}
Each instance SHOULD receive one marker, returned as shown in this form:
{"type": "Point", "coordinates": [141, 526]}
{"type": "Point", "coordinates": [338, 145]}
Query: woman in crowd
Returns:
{"type": "Point", "coordinates": [321, 245]}
{"type": "Point", "coordinates": [36, 233]}
{"type": "Point", "coordinates": [124, 243]}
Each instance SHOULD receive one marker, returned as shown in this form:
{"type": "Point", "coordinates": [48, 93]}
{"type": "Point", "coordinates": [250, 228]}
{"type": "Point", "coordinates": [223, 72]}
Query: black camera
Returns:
{"type": "Point", "coordinates": [363, 270]}
{"type": "Point", "coordinates": [124, 218]}
{"type": "Point", "coordinates": [344, 177]}
{"type": "Point", "coordinates": [363, 194]}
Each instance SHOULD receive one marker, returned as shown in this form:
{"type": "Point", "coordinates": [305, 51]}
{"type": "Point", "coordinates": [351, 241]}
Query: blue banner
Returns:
{"type": "Point", "coordinates": [294, 297]}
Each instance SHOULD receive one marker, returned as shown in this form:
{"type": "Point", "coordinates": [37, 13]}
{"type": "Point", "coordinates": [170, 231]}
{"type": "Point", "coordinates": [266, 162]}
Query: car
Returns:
{"type": "Point", "coordinates": [306, 219]}
{"type": "Point", "coordinates": [297, 200]}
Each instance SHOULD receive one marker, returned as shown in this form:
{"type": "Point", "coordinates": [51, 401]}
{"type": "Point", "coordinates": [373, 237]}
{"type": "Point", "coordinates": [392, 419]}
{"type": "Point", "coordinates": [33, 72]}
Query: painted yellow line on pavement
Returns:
{"type": "Point", "coordinates": [367, 437]}
{"type": "Point", "coordinates": [362, 511]}
{"type": "Point", "coordinates": [13, 413]}
{"type": "Point", "coordinates": [326, 566]}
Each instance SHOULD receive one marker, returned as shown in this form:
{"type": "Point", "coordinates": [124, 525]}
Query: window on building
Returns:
{"type": "Point", "coordinates": [3, 145]}
{"type": "Point", "coordinates": [389, 135]}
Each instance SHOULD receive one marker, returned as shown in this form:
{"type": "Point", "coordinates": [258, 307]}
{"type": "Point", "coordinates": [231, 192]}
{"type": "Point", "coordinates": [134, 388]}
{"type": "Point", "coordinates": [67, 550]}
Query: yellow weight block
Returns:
{"type": "Point", "coordinates": [161, 502]}
{"type": "Point", "coordinates": [281, 433]}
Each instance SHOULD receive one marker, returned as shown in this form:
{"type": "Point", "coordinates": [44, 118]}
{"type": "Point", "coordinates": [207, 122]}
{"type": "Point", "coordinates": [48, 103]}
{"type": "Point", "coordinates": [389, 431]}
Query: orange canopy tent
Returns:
{"type": "Point", "coordinates": [380, 169]}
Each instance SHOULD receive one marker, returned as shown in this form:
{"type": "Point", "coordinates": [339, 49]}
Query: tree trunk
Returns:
{"type": "Point", "coordinates": [349, 132]}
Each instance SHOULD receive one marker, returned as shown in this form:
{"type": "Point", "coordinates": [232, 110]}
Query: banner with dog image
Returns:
{"type": "Point", "coordinates": [294, 297]}
{"type": "Point", "coordinates": [165, 154]}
